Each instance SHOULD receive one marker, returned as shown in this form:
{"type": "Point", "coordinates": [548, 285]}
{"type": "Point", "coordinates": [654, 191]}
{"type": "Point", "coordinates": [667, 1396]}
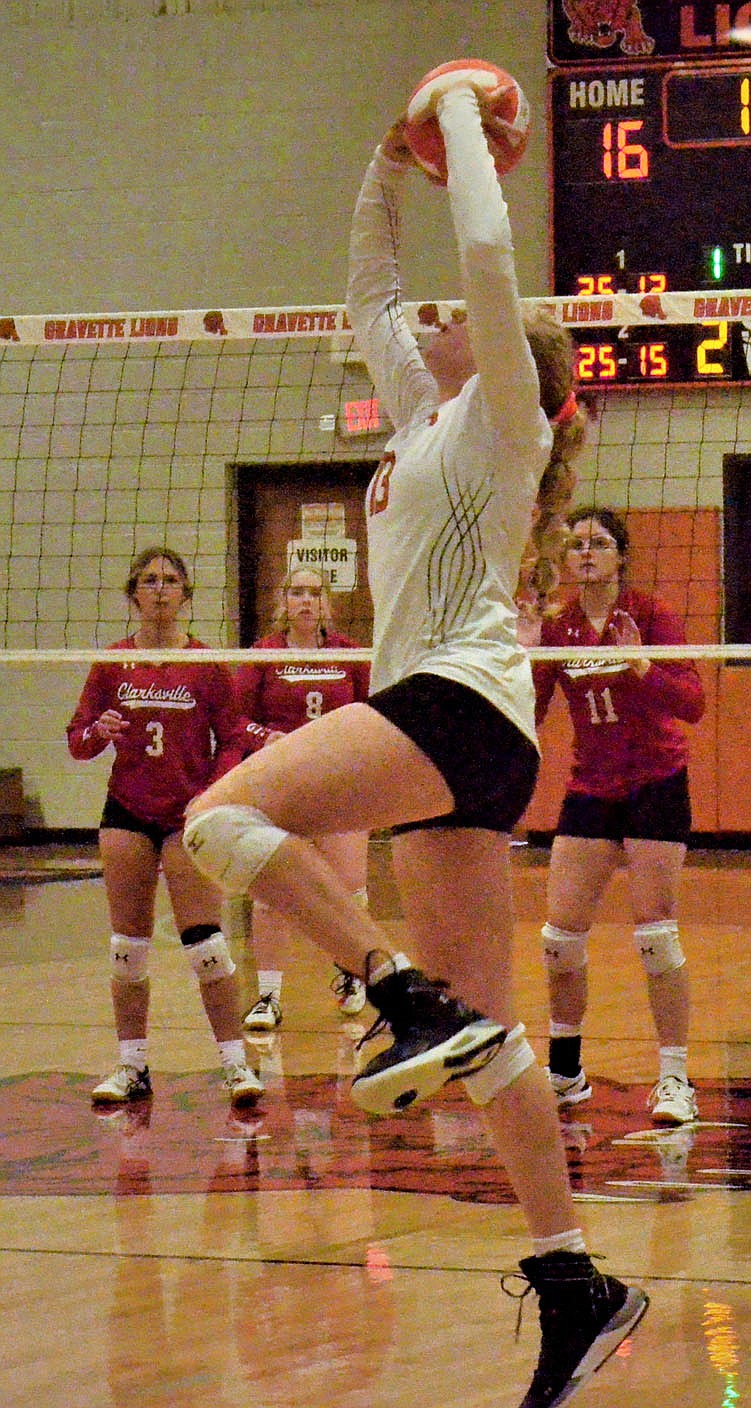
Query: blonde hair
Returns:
{"type": "Point", "coordinates": [280, 618]}
{"type": "Point", "coordinates": [553, 350]}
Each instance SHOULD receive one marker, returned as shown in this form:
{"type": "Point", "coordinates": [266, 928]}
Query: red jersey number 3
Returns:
{"type": "Point", "coordinates": [379, 492]}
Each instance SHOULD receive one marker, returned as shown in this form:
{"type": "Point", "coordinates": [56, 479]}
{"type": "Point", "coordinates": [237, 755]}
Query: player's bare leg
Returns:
{"type": "Point", "coordinates": [130, 864]}
{"type": "Point", "coordinates": [196, 905]}
{"type": "Point", "coordinates": [464, 931]}
{"type": "Point", "coordinates": [654, 875]}
{"type": "Point", "coordinates": [579, 872]}
{"type": "Point", "coordinates": [350, 770]}
{"type": "Point", "coordinates": [348, 856]}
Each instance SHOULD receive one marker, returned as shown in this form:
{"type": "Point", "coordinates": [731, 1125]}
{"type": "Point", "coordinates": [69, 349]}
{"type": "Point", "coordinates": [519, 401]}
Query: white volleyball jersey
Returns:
{"type": "Point", "coordinates": [449, 508]}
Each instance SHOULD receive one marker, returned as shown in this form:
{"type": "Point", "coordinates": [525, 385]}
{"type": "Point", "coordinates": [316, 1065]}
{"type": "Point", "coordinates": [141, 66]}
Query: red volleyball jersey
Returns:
{"type": "Point", "coordinates": [625, 728]}
{"type": "Point", "coordinates": [185, 730]}
{"type": "Point", "coordinates": [283, 697]}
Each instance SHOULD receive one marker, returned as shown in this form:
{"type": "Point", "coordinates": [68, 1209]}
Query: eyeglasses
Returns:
{"type": "Point", "coordinates": [591, 544]}
{"type": "Point", "coordinates": [154, 583]}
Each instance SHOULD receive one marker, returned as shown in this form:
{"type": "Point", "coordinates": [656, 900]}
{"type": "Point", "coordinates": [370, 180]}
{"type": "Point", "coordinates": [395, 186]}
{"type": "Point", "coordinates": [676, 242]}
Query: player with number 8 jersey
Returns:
{"type": "Point", "coordinates": [275, 700]}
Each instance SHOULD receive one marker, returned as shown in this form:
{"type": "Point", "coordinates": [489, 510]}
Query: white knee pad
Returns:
{"type": "Point", "coordinates": [211, 959]}
{"type": "Point", "coordinates": [360, 897]}
{"type": "Point", "coordinates": [231, 845]}
{"type": "Point", "coordinates": [564, 951]}
{"type": "Point", "coordinates": [129, 959]}
{"type": "Point", "coordinates": [659, 947]}
{"type": "Point", "coordinates": [509, 1062]}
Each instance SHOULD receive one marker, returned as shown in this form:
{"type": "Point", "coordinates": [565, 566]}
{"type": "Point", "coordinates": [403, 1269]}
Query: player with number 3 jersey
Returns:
{"type": "Point", "coordinates": [174, 727]}
{"type": "Point", "coordinates": [180, 729]}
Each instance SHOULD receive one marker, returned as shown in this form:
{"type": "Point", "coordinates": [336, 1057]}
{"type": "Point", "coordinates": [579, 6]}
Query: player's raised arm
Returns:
{"type": "Point", "coordinates": [374, 303]}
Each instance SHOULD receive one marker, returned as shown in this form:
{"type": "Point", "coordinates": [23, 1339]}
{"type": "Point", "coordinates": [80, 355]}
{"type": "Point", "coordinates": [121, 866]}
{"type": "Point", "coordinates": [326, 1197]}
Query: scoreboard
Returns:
{"type": "Point", "coordinates": [651, 179]}
{"type": "Point", "coordinates": [650, 172]}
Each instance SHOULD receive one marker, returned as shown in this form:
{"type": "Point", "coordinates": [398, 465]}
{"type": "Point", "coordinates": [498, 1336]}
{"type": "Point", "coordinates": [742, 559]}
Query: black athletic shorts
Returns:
{"type": "Point", "coordinates": [117, 817]}
{"type": "Point", "coordinates": [489, 764]}
{"type": "Point", "coordinates": [658, 811]}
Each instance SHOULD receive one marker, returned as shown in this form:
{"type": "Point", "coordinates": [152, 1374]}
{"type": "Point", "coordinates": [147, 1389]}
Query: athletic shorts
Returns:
{"type": "Point", "coordinates": [117, 817]}
{"type": "Point", "coordinates": [488, 763]}
{"type": "Point", "coordinates": [658, 811]}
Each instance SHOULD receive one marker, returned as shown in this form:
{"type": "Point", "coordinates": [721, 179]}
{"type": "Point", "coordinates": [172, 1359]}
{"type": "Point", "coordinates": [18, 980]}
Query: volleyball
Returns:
{"type": "Point", "coordinates": [504, 102]}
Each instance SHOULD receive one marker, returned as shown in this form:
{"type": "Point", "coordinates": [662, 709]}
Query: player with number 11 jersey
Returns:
{"type": "Point", "coordinates": [627, 727]}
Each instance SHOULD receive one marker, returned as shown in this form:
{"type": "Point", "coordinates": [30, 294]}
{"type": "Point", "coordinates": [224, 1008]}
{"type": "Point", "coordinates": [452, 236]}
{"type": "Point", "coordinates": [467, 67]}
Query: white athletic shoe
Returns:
{"type": "Point", "coordinates": [243, 1084]}
{"type": "Point", "coordinates": [264, 1016]}
{"type": "Point", "coordinates": [349, 993]}
{"type": "Point", "coordinates": [673, 1101]}
{"type": "Point", "coordinates": [125, 1084]}
{"type": "Point", "coordinates": [569, 1090]}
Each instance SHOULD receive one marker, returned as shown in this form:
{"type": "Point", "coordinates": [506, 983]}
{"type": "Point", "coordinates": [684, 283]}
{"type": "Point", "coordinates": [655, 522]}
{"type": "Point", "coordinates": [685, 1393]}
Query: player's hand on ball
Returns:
{"type": "Point", "coordinates": [504, 113]}
{"type": "Point", "coordinates": [394, 145]}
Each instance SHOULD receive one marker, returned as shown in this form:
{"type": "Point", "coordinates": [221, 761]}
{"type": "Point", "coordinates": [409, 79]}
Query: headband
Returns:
{"type": "Point", "coordinates": [567, 411]}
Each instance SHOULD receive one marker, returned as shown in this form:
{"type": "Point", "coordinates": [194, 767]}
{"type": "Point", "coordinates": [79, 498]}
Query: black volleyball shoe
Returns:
{"type": "Point", "coordinates": [437, 1038]}
{"type": "Point", "coordinates": [584, 1316]}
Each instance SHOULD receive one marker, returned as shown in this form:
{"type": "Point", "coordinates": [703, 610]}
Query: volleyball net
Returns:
{"type": "Point", "coordinates": [227, 433]}
{"type": "Point", "coordinates": [244, 440]}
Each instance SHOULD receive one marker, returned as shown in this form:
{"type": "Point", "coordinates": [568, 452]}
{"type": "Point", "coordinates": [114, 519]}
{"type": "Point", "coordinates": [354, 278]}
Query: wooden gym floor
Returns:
{"type": "Point", "coordinates": [302, 1255]}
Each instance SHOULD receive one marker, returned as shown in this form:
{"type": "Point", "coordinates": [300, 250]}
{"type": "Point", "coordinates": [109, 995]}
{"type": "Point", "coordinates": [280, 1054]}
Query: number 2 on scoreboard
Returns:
{"type": "Point", "coordinates": [704, 365]}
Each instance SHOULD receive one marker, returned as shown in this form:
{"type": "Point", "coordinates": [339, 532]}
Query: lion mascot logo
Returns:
{"type": "Point", "coordinates": [600, 23]}
{"type": "Point", "coordinates": [214, 323]}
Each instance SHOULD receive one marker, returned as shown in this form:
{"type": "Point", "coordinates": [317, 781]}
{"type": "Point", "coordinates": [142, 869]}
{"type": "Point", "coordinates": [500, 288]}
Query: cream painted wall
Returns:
{"type": "Point", "coordinates": [203, 161]}
{"type": "Point", "coordinates": [194, 160]}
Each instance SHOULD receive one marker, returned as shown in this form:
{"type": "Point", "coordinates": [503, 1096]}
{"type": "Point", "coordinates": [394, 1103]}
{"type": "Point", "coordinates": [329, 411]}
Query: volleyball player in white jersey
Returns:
{"type": "Point", "coordinates": [444, 752]}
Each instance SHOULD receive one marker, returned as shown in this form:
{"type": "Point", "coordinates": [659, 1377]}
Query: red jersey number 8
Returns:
{"type": "Point", "coordinates": [379, 493]}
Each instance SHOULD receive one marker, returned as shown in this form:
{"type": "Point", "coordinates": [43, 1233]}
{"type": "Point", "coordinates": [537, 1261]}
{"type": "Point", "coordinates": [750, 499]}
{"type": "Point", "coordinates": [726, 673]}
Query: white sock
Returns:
{"type": "Point", "coordinates": [571, 1241]}
{"type": "Point", "coordinates": [133, 1053]}
{"type": "Point", "coordinates": [232, 1053]}
{"type": "Point", "coordinates": [396, 964]}
{"type": "Point", "coordinates": [673, 1062]}
{"type": "Point", "coordinates": [563, 1029]}
{"type": "Point", "coordinates": [270, 983]}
